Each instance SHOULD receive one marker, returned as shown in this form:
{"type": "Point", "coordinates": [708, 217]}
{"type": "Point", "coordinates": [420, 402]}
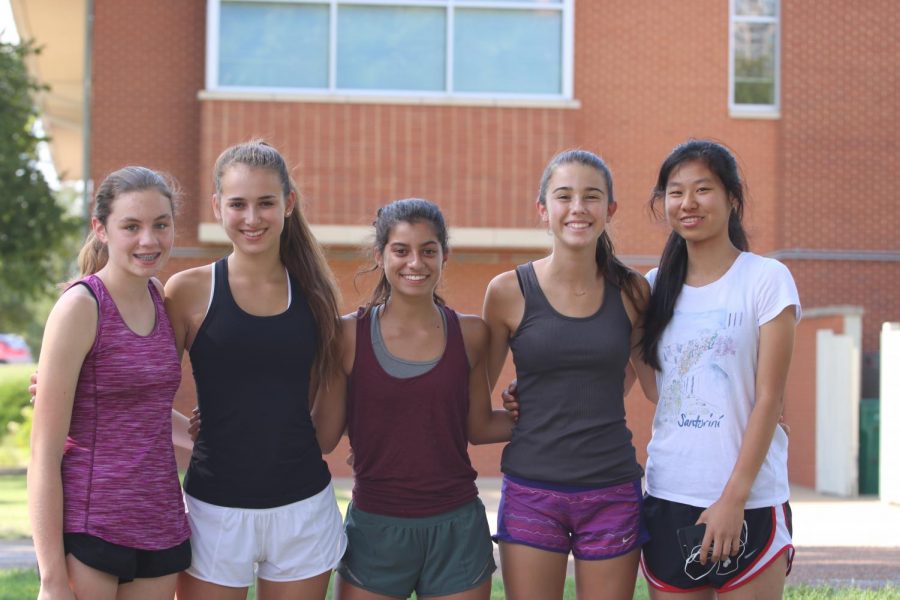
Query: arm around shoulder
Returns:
{"type": "Point", "coordinates": [485, 425]}
{"type": "Point", "coordinates": [636, 308]}
{"type": "Point", "coordinates": [329, 409]}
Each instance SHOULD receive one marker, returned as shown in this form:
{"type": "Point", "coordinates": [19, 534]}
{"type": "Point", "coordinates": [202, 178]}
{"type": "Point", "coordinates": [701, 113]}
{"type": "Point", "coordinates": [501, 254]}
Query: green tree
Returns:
{"type": "Point", "coordinates": [35, 231]}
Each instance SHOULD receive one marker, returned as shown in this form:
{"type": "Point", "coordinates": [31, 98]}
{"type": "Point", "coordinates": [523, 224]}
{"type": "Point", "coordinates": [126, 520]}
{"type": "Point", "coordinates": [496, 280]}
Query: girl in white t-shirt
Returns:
{"type": "Point", "coordinates": [719, 333]}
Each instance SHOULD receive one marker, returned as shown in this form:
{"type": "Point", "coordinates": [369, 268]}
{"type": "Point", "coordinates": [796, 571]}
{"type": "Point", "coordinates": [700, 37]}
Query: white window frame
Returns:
{"type": "Point", "coordinates": [762, 111]}
{"type": "Point", "coordinates": [448, 95]}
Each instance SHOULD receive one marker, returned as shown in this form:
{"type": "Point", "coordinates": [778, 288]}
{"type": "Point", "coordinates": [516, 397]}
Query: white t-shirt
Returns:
{"type": "Point", "coordinates": [707, 386]}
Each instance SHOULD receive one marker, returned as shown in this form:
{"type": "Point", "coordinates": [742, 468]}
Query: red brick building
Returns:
{"type": "Point", "coordinates": [463, 103]}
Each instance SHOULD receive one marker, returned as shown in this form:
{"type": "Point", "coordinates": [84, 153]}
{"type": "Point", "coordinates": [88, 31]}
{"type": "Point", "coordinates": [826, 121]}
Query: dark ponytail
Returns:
{"type": "Point", "coordinates": [673, 264]}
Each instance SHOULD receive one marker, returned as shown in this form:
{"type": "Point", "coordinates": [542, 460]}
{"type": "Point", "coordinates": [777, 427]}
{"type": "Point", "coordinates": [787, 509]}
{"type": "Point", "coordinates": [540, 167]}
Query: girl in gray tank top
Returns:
{"type": "Point", "coordinates": [571, 319]}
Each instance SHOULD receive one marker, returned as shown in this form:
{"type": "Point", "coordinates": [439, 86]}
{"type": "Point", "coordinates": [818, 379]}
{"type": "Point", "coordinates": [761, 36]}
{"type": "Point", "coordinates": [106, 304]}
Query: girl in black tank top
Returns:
{"type": "Point", "coordinates": [260, 326]}
{"type": "Point", "coordinates": [412, 398]}
{"type": "Point", "coordinates": [571, 320]}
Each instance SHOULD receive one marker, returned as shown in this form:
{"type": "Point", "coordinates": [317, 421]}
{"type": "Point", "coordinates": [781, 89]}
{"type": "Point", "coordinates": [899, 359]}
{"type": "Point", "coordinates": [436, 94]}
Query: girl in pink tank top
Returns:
{"type": "Point", "coordinates": [104, 496]}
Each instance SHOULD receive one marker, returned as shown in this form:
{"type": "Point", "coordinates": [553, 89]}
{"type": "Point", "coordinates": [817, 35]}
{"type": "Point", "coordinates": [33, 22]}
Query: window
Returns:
{"type": "Point", "coordinates": [480, 48]}
{"type": "Point", "coordinates": [754, 53]}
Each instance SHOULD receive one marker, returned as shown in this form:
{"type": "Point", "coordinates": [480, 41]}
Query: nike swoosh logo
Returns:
{"type": "Point", "coordinates": [625, 540]}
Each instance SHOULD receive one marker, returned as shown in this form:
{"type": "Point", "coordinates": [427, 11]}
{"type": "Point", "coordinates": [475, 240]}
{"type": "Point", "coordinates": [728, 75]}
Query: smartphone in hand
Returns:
{"type": "Point", "coordinates": [690, 538]}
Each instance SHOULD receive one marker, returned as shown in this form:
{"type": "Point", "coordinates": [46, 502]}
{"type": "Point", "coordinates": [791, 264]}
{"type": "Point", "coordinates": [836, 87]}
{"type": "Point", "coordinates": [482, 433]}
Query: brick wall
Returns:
{"type": "Point", "coordinates": [647, 75]}
{"type": "Point", "coordinates": [841, 153]}
{"type": "Point", "coordinates": [147, 67]}
{"type": "Point", "coordinates": [483, 164]}
{"type": "Point", "coordinates": [872, 285]}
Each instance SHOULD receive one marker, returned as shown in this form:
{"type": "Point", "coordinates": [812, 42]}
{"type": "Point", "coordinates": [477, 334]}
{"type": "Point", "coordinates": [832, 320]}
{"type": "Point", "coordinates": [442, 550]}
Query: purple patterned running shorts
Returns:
{"type": "Point", "coordinates": [594, 524]}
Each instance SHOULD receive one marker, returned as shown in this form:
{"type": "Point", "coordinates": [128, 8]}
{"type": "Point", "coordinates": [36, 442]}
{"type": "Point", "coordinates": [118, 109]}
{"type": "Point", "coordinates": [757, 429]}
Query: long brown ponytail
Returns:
{"type": "Point", "coordinates": [299, 251]}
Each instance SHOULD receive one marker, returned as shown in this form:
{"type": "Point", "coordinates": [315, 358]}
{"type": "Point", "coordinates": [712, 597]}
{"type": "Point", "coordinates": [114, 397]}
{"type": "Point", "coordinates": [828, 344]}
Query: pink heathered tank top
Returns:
{"type": "Point", "coordinates": [120, 481]}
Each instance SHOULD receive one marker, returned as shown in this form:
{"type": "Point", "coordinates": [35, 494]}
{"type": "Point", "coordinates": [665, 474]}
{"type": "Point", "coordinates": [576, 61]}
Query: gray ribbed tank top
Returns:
{"type": "Point", "coordinates": [398, 367]}
{"type": "Point", "coordinates": [571, 373]}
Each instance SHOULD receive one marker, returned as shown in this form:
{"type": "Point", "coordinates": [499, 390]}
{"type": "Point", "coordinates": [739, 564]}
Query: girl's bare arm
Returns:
{"type": "Point", "coordinates": [68, 337]}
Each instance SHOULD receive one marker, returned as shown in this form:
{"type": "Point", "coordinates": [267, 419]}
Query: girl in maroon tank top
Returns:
{"type": "Point", "coordinates": [411, 399]}
{"type": "Point", "coordinates": [101, 414]}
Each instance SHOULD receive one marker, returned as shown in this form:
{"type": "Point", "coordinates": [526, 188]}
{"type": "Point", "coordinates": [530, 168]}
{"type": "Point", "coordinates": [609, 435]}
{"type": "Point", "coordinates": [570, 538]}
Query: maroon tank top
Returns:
{"type": "Point", "coordinates": [409, 436]}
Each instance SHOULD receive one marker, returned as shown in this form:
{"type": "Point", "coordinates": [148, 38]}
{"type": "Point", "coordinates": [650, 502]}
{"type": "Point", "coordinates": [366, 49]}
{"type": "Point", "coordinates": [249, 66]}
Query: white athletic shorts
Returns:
{"type": "Point", "coordinates": [286, 543]}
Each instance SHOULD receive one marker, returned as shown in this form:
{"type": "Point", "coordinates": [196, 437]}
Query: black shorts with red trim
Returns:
{"type": "Point", "coordinates": [766, 535]}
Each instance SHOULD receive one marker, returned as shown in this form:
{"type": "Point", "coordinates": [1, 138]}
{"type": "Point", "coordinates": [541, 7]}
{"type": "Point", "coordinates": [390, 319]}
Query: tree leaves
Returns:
{"type": "Point", "coordinates": [35, 232]}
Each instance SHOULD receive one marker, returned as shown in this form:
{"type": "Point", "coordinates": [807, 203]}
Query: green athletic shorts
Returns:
{"type": "Point", "coordinates": [444, 554]}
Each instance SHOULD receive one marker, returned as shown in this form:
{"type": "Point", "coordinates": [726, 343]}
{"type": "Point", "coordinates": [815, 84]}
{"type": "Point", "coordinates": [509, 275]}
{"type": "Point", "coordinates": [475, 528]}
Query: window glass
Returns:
{"type": "Point", "coordinates": [273, 45]}
{"type": "Point", "coordinates": [756, 8]}
{"type": "Point", "coordinates": [754, 63]}
{"type": "Point", "coordinates": [391, 48]}
{"type": "Point", "coordinates": [508, 51]}
{"type": "Point", "coordinates": [478, 47]}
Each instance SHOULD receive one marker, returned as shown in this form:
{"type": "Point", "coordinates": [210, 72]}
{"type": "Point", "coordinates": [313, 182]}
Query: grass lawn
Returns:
{"type": "Point", "coordinates": [18, 584]}
{"type": "Point", "coordinates": [13, 508]}
{"type": "Point", "coordinates": [23, 583]}
{"type": "Point", "coordinates": [13, 397]}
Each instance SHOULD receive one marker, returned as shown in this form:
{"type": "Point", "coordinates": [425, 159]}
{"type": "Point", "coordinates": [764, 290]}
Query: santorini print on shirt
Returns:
{"type": "Point", "coordinates": [695, 393]}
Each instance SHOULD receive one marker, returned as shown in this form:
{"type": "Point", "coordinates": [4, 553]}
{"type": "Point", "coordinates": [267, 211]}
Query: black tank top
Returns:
{"type": "Point", "coordinates": [257, 446]}
{"type": "Point", "coordinates": [571, 373]}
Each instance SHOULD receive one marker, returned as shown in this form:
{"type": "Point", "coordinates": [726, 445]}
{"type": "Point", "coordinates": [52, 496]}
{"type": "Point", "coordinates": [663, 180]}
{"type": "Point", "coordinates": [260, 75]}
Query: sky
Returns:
{"type": "Point", "coordinates": [7, 26]}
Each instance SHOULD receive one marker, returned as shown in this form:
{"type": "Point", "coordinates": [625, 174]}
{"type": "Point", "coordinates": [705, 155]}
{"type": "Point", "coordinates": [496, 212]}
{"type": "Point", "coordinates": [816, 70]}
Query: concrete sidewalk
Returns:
{"type": "Point", "coordinates": [839, 542]}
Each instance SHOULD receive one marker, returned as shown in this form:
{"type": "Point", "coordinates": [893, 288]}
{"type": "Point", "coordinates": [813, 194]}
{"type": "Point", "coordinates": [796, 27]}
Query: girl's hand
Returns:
{"type": "Point", "coordinates": [57, 592]}
{"type": "Point", "coordinates": [784, 426]}
{"type": "Point", "coordinates": [724, 525]}
{"type": "Point", "coordinates": [194, 427]}
{"type": "Point", "coordinates": [510, 397]}
{"type": "Point", "coordinates": [32, 387]}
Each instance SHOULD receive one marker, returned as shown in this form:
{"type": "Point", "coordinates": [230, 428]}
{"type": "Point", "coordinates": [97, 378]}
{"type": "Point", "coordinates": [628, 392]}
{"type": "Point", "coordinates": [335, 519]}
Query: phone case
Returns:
{"type": "Point", "coordinates": [690, 538]}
